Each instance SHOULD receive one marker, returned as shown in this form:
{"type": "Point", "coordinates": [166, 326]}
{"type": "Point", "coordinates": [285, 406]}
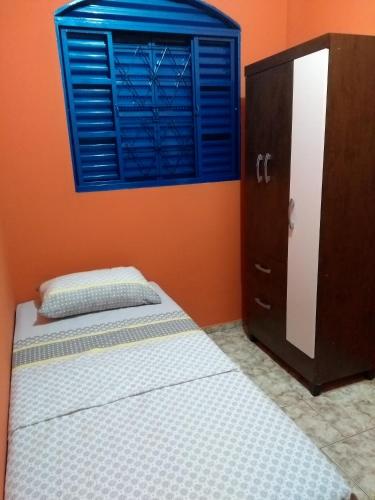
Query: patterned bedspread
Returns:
{"type": "Point", "coordinates": [151, 408]}
{"type": "Point", "coordinates": [75, 370]}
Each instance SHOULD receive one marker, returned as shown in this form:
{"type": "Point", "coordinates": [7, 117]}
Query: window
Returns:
{"type": "Point", "coordinates": [144, 108]}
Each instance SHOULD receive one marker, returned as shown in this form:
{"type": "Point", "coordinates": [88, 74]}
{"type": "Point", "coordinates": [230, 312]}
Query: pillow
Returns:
{"type": "Point", "coordinates": [92, 291]}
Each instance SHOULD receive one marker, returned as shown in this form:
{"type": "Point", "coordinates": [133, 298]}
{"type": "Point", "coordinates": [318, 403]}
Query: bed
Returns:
{"type": "Point", "coordinates": [140, 403]}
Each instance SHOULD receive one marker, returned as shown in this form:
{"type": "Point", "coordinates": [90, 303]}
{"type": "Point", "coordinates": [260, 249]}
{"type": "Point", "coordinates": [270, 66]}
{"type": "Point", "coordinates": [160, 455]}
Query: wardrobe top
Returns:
{"type": "Point", "coordinates": [329, 40]}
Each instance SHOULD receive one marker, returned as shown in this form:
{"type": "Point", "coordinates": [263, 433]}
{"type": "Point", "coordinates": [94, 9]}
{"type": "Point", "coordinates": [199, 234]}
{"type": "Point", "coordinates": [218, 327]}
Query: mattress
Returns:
{"type": "Point", "coordinates": [140, 403]}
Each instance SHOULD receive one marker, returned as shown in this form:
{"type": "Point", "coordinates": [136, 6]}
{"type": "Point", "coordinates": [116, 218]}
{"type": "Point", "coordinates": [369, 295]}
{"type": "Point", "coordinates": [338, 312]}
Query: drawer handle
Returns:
{"type": "Point", "coordinates": [262, 304]}
{"type": "Point", "coordinates": [262, 269]}
{"type": "Point", "coordinates": [267, 177]}
{"type": "Point", "coordinates": [259, 177]}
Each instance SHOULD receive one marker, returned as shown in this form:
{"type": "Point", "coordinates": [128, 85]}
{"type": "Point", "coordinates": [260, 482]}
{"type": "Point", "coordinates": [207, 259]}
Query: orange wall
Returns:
{"type": "Point", "coordinates": [6, 333]}
{"type": "Point", "coordinates": [310, 18]}
{"type": "Point", "coordinates": [185, 238]}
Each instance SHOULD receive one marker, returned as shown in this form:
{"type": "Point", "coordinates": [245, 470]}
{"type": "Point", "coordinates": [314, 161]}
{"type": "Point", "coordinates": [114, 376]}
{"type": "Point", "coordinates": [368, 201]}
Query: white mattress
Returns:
{"type": "Point", "coordinates": [30, 324]}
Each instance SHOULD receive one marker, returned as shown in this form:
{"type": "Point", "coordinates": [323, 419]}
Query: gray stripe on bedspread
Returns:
{"type": "Point", "coordinates": [76, 332]}
{"type": "Point", "coordinates": [103, 340]}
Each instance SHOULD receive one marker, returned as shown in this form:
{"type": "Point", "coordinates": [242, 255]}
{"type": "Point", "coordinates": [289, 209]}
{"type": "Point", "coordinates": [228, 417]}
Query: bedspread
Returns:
{"type": "Point", "coordinates": [149, 407]}
{"type": "Point", "coordinates": [69, 371]}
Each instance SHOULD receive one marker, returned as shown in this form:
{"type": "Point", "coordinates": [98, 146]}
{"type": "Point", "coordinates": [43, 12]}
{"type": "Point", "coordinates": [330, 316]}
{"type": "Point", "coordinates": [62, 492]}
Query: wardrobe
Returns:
{"type": "Point", "coordinates": [309, 208]}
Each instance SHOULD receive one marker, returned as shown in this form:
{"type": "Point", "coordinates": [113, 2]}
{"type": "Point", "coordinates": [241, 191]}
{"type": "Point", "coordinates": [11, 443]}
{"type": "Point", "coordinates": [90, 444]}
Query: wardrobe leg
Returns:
{"type": "Point", "coordinates": [370, 375]}
{"type": "Point", "coordinates": [315, 389]}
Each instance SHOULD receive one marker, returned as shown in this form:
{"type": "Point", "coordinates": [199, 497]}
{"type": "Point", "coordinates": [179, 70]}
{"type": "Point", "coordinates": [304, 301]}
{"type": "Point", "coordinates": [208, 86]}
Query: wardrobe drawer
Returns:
{"type": "Point", "coordinates": [266, 273]}
{"type": "Point", "coordinates": [265, 300]}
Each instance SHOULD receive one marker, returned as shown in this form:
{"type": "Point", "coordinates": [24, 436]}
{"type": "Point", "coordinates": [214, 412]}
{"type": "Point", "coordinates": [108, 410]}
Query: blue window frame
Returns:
{"type": "Point", "coordinates": [150, 104]}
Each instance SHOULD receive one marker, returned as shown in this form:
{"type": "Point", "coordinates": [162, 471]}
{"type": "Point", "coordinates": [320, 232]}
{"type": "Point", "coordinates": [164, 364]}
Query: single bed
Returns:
{"type": "Point", "coordinates": [140, 403]}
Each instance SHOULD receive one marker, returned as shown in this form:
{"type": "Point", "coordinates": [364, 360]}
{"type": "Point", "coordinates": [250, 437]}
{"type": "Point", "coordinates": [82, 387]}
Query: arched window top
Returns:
{"type": "Point", "coordinates": [183, 17]}
{"type": "Point", "coordinates": [152, 92]}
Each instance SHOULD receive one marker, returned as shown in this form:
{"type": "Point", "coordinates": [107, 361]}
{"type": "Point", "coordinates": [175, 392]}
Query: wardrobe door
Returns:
{"type": "Point", "coordinates": [307, 160]}
{"type": "Point", "coordinates": [269, 108]}
{"type": "Point", "coordinates": [254, 175]}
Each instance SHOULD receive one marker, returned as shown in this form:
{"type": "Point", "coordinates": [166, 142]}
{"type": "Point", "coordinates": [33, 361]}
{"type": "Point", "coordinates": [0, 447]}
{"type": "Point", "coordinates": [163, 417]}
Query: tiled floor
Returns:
{"type": "Point", "coordinates": [341, 422]}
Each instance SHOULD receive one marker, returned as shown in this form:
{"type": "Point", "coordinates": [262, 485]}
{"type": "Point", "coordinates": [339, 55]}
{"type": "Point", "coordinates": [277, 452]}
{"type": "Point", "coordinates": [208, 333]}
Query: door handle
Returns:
{"type": "Point", "coordinates": [267, 177]}
{"type": "Point", "coordinates": [262, 269]}
{"type": "Point", "coordinates": [259, 177]}
{"type": "Point", "coordinates": [262, 304]}
{"type": "Point", "coordinates": [291, 208]}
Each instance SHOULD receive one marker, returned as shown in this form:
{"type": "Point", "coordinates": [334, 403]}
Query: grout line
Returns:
{"type": "Point", "coordinates": [348, 437]}
{"type": "Point", "coordinates": [348, 478]}
{"type": "Point", "coordinates": [363, 491]}
{"type": "Point", "coordinates": [344, 437]}
{"type": "Point", "coordinates": [344, 473]}
{"type": "Point", "coordinates": [329, 423]}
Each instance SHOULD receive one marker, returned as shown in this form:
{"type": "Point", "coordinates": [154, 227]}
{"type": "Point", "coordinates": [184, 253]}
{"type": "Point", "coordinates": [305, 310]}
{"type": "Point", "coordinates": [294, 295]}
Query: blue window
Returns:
{"type": "Point", "coordinates": [152, 92]}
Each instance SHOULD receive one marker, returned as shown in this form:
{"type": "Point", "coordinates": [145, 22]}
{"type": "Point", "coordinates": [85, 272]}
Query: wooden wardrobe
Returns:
{"type": "Point", "coordinates": [309, 207]}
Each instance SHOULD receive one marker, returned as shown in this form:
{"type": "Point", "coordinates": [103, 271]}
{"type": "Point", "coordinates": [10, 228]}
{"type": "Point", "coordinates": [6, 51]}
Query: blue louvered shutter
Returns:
{"type": "Point", "coordinates": [155, 107]}
{"type": "Point", "coordinates": [218, 107]}
{"type": "Point", "coordinates": [147, 109]}
{"type": "Point", "coordinates": [91, 106]}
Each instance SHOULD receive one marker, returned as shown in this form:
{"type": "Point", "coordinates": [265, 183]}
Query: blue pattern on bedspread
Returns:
{"type": "Point", "coordinates": [157, 411]}
{"type": "Point", "coordinates": [45, 391]}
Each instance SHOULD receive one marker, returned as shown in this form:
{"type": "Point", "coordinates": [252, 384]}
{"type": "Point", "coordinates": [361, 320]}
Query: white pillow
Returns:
{"type": "Point", "coordinates": [93, 291]}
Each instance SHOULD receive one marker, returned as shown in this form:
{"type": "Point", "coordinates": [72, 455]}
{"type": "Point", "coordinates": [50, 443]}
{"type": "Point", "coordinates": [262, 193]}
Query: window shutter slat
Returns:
{"type": "Point", "coordinates": [89, 87]}
{"type": "Point", "coordinates": [218, 116]}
